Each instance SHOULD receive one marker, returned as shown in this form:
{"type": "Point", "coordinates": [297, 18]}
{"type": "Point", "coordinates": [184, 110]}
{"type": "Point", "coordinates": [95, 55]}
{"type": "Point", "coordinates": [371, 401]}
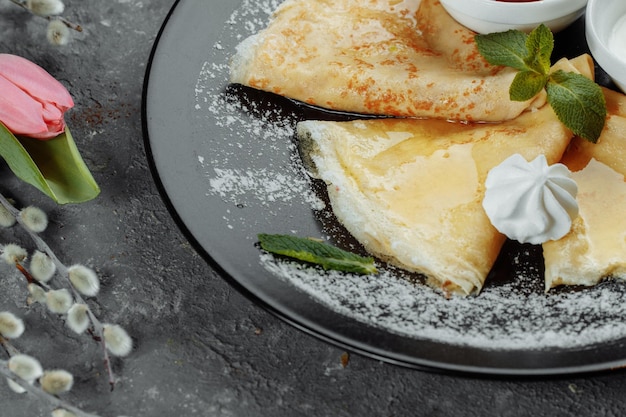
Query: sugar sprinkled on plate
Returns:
{"type": "Point", "coordinates": [503, 317]}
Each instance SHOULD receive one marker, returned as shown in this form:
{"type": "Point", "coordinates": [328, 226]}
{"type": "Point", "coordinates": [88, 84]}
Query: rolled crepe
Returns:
{"type": "Point", "coordinates": [389, 57]}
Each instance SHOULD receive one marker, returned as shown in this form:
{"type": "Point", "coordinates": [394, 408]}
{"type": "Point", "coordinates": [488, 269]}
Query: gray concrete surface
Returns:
{"type": "Point", "coordinates": [201, 349]}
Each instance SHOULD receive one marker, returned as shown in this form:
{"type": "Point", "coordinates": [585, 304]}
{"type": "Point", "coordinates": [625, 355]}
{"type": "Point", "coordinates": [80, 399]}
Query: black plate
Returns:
{"type": "Point", "coordinates": [227, 165]}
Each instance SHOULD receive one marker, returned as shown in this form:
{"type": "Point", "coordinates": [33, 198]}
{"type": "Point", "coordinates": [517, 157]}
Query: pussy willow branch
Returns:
{"type": "Point", "coordinates": [8, 347]}
{"type": "Point", "coordinates": [98, 328]}
{"type": "Point", "coordinates": [37, 391]}
{"type": "Point", "coordinates": [24, 271]}
{"type": "Point", "coordinates": [11, 350]}
{"type": "Point", "coordinates": [66, 22]}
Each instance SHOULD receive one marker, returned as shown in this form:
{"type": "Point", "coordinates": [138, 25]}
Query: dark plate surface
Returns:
{"type": "Point", "coordinates": [227, 165]}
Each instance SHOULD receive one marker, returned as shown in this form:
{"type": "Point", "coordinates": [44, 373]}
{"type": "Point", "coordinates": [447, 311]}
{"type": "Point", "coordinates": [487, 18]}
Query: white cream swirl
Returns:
{"type": "Point", "coordinates": [531, 202]}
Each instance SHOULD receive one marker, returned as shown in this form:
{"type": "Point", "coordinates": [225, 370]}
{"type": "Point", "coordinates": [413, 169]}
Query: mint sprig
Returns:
{"type": "Point", "coordinates": [577, 101]}
{"type": "Point", "coordinates": [317, 252]}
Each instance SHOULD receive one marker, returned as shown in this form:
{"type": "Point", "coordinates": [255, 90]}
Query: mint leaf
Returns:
{"type": "Point", "coordinates": [540, 43]}
{"type": "Point", "coordinates": [530, 54]}
{"type": "Point", "coordinates": [578, 103]}
{"type": "Point", "coordinates": [309, 250]}
{"type": "Point", "coordinates": [526, 85]}
{"type": "Point", "coordinates": [504, 48]}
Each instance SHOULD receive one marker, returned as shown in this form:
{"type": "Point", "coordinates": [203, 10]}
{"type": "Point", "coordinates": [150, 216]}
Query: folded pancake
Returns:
{"type": "Point", "coordinates": [411, 190]}
{"type": "Point", "coordinates": [595, 248]}
{"type": "Point", "coordinates": [391, 57]}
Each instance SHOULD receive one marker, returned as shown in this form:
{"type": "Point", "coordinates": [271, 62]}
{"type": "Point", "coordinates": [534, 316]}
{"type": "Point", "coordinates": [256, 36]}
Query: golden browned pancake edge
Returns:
{"type": "Point", "coordinates": [399, 58]}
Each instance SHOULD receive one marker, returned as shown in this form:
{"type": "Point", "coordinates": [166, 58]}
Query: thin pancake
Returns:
{"type": "Point", "coordinates": [595, 247]}
{"type": "Point", "coordinates": [392, 57]}
{"type": "Point", "coordinates": [411, 190]}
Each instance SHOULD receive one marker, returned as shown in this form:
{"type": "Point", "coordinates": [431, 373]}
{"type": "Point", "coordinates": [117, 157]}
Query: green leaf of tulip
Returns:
{"type": "Point", "coordinates": [53, 166]}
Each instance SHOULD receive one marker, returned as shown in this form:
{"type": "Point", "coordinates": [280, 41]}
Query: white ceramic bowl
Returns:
{"type": "Point", "coordinates": [486, 16]}
{"type": "Point", "coordinates": [601, 18]}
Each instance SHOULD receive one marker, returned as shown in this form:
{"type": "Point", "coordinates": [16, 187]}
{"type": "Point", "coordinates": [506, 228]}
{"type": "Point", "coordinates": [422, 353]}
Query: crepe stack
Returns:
{"type": "Point", "coordinates": [410, 189]}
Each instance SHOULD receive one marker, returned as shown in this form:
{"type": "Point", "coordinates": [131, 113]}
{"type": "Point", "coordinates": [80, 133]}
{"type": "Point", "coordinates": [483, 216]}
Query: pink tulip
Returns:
{"type": "Point", "coordinates": [32, 102]}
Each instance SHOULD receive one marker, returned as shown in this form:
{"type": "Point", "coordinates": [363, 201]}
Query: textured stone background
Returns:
{"type": "Point", "coordinates": [201, 349]}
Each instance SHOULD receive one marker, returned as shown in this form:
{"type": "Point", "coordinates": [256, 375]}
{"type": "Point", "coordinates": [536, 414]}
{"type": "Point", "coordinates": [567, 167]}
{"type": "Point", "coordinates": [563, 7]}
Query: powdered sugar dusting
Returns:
{"type": "Point", "coordinates": [243, 134]}
{"type": "Point", "coordinates": [515, 314]}
{"type": "Point", "coordinates": [501, 317]}
{"type": "Point", "coordinates": [263, 185]}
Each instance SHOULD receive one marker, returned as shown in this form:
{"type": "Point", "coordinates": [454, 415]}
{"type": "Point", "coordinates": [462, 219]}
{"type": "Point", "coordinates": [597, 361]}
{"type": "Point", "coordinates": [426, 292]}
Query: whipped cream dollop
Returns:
{"type": "Point", "coordinates": [531, 202]}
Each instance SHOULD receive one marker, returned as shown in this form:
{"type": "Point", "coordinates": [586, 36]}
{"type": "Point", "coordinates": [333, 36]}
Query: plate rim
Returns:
{"type": "Point", "coordinates": [311, 328]}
